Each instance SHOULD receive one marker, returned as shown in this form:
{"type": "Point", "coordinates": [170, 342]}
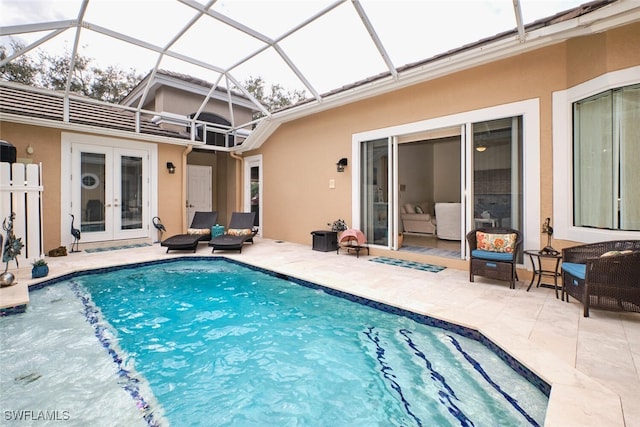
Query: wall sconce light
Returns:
{"type": "Point", "coordinates": [480, 148]}
{"type": "Point", "coordinates": [171, 167]}
{"type": "Point", "coordinates": [341, 164]}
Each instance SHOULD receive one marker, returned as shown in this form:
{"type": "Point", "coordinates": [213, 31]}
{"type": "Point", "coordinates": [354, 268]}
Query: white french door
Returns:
{"type": "Point", "coordinates": [199, 192]}
{"type": "Point", "coordinates": [110, 192]}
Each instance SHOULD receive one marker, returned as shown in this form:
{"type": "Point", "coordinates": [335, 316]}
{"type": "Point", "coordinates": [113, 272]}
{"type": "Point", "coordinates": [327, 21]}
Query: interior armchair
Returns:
{"type": "Point", "coordinates": [494, 253]}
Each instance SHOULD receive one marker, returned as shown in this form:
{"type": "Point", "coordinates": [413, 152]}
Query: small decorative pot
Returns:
{"type": "Point", "coordinates": [39, 271]}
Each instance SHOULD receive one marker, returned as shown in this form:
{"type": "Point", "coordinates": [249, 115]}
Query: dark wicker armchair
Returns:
{"type": "Point", "coordinates": [496, 265]}
{"type": "Point", "coordinates": [610, 283]}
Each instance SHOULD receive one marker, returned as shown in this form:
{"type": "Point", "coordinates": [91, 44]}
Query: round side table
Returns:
{"type": "Point", "coordinates": [538, 270]}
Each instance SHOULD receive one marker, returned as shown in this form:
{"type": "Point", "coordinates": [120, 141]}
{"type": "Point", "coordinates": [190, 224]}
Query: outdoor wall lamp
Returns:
{"type": "Point", "coordinates": [171, 167]}
{"type": "Point", "coordinates": [341, 164]}
{"type": "Point", "coordinates": [480, 148]}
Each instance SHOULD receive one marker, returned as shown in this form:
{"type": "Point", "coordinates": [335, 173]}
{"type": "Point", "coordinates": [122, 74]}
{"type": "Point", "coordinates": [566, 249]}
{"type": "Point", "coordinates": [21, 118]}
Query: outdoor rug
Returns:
{"type": "Point", "coordinates": [431, 268]}
{"type": "Point", "coordinates": [115, 248]}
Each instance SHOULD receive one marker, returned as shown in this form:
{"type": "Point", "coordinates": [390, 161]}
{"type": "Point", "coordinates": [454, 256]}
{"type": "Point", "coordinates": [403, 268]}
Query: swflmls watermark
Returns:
{"type": "Point", "coordinates": [37, 415]}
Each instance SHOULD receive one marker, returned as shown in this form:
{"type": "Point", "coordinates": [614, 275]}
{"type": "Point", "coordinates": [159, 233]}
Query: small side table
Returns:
{"type": "Point", "coordinates": [538, 271]}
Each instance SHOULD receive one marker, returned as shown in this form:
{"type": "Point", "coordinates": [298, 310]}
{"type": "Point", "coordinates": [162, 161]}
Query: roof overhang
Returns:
{"type": "Point", "coordinates": [161, 79]}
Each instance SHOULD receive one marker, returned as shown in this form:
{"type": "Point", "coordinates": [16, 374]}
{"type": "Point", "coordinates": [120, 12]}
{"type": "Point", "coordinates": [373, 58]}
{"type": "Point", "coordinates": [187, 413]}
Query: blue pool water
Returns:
{"type": "Point", "coordinates": [210, 342]}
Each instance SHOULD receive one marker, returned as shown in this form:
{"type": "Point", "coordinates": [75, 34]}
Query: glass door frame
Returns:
{"type": "Point", "coordinates": [530, 112]}
{"type": "Point", "coordinates": [249, 163]}
{"type": "Point", "coordinates": [108, 195]}
{"type": "Point", "coordinates": [71, 144]}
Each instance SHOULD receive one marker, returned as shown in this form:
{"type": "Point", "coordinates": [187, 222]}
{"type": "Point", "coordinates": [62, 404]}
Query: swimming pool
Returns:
{"type": "Point", "coordinates": [234, 346]}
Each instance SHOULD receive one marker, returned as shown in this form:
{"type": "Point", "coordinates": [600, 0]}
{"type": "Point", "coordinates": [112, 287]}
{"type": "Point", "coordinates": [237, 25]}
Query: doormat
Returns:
{"type": "Point", "coordinates": [447, 253]}
{"type": "Point", "coordinates": [115, 248]}
{"type": "Point", "coordinates": [431, 268]}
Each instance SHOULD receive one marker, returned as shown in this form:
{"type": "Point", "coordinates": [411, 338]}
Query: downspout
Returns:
{"type": "Point", "coordinates": [239, 158]}
{"type": "Point", "coordinates": [185, 153]}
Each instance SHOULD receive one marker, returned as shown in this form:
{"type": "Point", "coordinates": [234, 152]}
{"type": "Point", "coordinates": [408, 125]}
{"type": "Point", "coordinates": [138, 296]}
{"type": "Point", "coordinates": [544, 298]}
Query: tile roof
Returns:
{"type": "Point", "coordinates": [48, 105]}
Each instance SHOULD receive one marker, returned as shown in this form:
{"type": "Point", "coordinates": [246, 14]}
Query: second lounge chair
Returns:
{"type": "Point", "coordinates": [241, 229]}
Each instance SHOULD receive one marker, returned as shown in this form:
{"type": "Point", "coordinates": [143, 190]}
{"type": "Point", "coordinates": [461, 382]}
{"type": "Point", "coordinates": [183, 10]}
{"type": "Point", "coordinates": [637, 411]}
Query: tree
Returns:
{"type": "Point", "coordinates": [51, 72]}
{"type": "Point", "coordinates": [22, 69]}
{"type": "Point", "coordinates": [55, 71]}
{"type": "Point", "coordinates": [113, 84]}
{"type": "Point", "coordinates": [277, 96]}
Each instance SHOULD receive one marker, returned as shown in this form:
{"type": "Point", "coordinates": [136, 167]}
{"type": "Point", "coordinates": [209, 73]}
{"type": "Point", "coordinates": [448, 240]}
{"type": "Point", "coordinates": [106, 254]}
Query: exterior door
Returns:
{"type": "Point", "coordinates": [198, 190]}
{"type": "Point", "coordinates": [253, 188]}
{"type": "Point", "coordinates": [110, 199]}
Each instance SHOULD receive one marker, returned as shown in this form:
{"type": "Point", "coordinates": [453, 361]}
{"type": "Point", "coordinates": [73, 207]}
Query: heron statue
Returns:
{"type": "Point", "coordinates": [548, 230]}
{"type": "Point", "coordinates": [76, 235]}
{"type": "Point", "coordinates": [157, 223]}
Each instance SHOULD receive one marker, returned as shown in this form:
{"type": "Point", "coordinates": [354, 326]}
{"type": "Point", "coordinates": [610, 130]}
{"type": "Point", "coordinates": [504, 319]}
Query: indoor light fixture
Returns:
{"type": "Point", "coordinates": [480, 148]}
{"type": "Point", "coordinates": [171, 167]}
{"type": "Point", "coordinates": [341, 164]}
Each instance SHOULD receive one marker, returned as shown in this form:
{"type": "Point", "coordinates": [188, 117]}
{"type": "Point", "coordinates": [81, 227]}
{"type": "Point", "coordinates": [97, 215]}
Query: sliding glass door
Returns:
{"type": "Point", "coordinates": [460, 185]}
{"type": "Point", "coordinates": [375, 184]}
{"type": "Point", "coordinates": [497, 173]}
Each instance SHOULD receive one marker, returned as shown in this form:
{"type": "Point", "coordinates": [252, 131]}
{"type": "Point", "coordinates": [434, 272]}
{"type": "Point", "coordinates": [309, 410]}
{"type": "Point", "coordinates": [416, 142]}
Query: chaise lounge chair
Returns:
{"type": "Point", "coordinates": [241, 230]}
{"type": "Point", "coordinates": [200, 230]}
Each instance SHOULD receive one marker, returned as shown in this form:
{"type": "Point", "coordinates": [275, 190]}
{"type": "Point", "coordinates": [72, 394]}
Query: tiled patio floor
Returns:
{"type": "Point", "coordinates": [592, 363]}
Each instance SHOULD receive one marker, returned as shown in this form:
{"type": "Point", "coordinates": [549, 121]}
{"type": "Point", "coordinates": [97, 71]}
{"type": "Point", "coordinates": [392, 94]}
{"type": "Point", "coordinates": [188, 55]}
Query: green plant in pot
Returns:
{"type": "Point", "coordinates": [40, 268]}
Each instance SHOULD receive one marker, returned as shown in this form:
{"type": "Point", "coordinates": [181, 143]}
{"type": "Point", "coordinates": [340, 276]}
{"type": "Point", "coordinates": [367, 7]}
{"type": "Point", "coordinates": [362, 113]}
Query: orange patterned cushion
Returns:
{"type": "Point", "coordinates": [239, 231]}
{"type": "Point", "coordinates": [199, 231]}
{"type": "Point", "coordinates": [496, 242]}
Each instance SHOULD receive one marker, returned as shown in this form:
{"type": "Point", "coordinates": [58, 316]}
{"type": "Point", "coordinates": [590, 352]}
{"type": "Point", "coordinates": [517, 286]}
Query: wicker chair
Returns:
{"type": "Point", "coordinates": [610, 283]}
{"type": "Point", "coordinates": [499, 266]}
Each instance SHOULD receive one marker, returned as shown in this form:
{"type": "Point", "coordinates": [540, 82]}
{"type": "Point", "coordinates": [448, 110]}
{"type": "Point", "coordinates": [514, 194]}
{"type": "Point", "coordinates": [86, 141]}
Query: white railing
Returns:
{"type": "Point", "coordinates": [21, 192]}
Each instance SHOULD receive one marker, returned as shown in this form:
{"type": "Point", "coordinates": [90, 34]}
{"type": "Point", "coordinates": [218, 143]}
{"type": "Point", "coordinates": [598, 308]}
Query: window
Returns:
{"type": "Point", "coordinates": [606, 160]}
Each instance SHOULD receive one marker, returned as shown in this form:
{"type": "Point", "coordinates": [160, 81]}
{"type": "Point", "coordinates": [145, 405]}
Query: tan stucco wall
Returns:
{"type": "Point", "coordinates": [170, 188]}
{"type": "Point", "coordinates": [169, 99]}
{"type": "Point", "coordinates": [299, 158]}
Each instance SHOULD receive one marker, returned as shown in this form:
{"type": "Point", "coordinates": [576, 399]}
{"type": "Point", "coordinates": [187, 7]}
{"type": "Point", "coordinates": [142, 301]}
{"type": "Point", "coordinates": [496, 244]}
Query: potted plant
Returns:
{"type": "Point", "coordinates": [40, 268]}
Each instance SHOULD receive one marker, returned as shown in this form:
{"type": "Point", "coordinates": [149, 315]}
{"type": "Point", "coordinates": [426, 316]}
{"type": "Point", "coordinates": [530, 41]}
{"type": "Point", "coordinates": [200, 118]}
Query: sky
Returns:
{"type": "Point", "coordinates": [330, 52]}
